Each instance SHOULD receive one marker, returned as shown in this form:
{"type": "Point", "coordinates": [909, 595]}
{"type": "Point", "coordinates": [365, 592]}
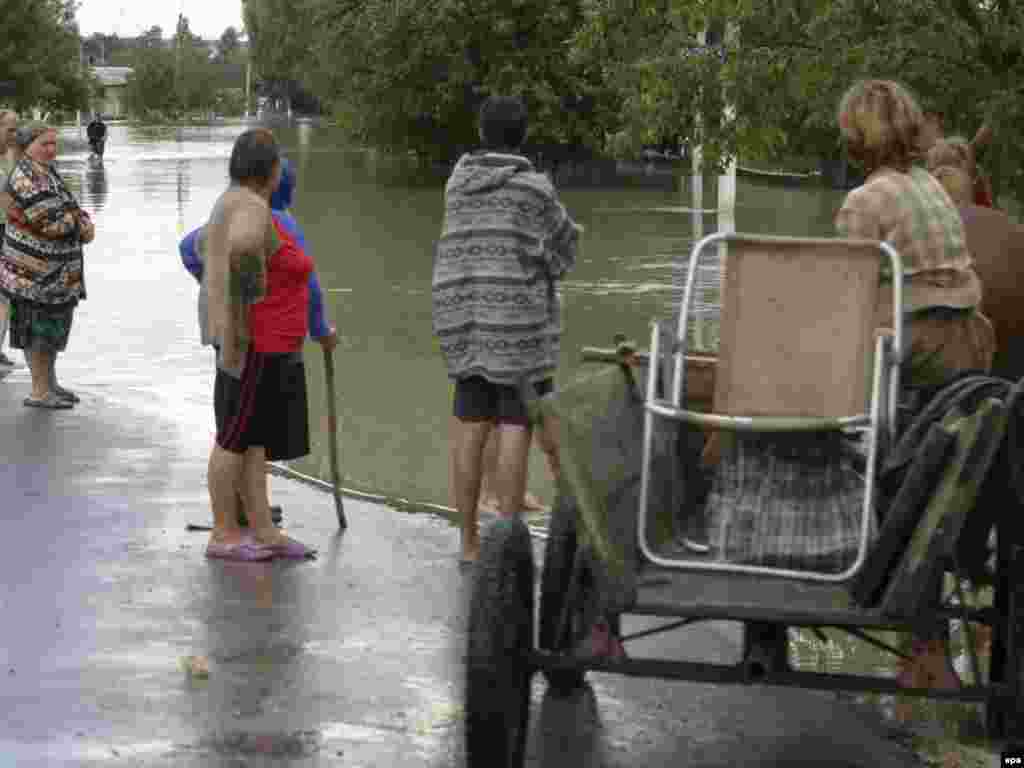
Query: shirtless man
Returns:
{"type": "Point", "coordinates": [252, 392]}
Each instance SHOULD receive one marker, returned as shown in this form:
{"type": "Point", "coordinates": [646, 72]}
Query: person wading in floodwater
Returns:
{"type": "Point", "coordinates": [505, 242]}
{"type": "Point", "coordinates": [97, 133]}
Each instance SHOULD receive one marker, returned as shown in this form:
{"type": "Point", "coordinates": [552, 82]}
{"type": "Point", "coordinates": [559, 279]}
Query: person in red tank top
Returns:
{"type": "Point", "coordinates": [280, 322]}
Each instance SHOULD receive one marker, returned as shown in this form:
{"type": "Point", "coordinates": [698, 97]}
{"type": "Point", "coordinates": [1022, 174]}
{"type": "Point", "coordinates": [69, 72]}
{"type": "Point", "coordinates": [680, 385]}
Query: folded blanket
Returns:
{"type": "Point", "coordinates": [600, 418]}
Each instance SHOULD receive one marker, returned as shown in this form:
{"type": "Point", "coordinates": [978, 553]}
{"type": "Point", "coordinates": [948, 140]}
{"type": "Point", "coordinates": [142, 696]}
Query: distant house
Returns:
{"type": "Point", "coordinates": [113, 81]}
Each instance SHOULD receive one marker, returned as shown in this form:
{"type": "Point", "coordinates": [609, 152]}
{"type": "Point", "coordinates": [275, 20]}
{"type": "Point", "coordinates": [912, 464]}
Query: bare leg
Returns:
{"type": "Point", "coordinates": [5, 314]}
{"type": "Point", "coordinates": [254, 492]}
{"type": "Point", "coordinates": [489, 474]}
{"type": "Point", "coordinates": [513, 452]}
{"type": "Point", "coordinates": [547, 439]}
{"type": "Point", "coordinates": [39, 363]}
{"type": "Point", "coordinates": [468, 438]}
{"type": "Point", "coordinates": [223, 479]}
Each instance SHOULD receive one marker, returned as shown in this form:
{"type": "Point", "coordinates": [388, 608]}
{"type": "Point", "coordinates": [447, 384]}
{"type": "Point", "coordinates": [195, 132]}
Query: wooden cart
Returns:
{"type": "Point", "coordinates": [799, 352]}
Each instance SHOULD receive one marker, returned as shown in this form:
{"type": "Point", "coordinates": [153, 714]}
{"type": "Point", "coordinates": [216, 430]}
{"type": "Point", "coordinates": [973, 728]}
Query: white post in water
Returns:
{"type": "Point", "coordinates": [727, 181]}
{"type": "Point", "coordinates": [710, 279]}
{"type": "Point", "coordinates": [248, 83]}
{"type": "Point", "coordinates": [697, 216]}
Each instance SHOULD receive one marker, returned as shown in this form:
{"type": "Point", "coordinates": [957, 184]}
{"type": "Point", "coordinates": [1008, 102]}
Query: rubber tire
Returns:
{"type": "Point", "coordinates": [770, 642]}
{"type": "Point", "coordinates": [1004, 719]}
{"type": "Point", "coordinates": [559, 555]}
{"type": "Point", "coordinates": [498, 669]}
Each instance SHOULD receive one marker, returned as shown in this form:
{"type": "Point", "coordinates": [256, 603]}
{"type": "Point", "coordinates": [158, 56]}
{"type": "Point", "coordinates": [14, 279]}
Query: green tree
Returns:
{"type": "Point", "coordinates": [194, 71]}
{"type": "Point", "coordinates": [280, 34]}
{"type": "Point", "coordinates": [150, 92]}
{"type": "Point", "coordinates": [789, 62]}
{"type": "Point", "coordinates": [228, 46]}
{"type": "Point", "coordinates": [409, 75]}
{"type": "Point", "coordinates": [39, 55]}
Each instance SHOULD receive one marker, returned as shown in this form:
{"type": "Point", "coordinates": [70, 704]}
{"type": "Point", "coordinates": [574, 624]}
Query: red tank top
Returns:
{"type": "Point", "coordinates": [280, 322]}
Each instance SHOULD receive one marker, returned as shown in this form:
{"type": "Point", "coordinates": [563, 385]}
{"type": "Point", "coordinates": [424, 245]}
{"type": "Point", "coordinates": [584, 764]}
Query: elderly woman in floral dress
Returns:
{"type": "Point", "coordinates": [41, 262]}
{"type": "Point", "coordinates": [8, 158]}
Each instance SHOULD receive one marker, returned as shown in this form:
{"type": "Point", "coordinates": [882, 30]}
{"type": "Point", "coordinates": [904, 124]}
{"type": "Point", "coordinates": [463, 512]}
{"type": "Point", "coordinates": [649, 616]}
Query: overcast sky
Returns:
{"type": "Point", "coordinates": [128, 18]}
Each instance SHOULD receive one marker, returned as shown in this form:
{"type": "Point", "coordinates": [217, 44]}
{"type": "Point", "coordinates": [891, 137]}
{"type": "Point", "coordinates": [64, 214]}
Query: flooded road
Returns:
{"type": "Point", "coordinates": [371, 223]}
{"type": "Point", "coordinates": [355, 659]}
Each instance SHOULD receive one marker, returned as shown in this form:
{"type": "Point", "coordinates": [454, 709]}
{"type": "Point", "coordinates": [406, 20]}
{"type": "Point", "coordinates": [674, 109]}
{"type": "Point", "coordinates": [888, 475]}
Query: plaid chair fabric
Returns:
{"type": "Point", "coordinates": [786, 501]}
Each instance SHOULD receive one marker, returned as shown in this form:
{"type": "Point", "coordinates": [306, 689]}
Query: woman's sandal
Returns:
{"type": "Point", "coordinates": [52, 402]}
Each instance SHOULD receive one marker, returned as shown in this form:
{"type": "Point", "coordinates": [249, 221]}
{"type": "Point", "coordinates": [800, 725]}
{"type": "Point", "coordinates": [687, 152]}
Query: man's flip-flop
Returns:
{"type": "Point", "coordinates": [51, 401]}
{"type": "Point", "coordinates": [66, 394]}
{"type": "Point", "coordinates": [291, 549]}
{"type": "Point", "coordinates": [243, 551]}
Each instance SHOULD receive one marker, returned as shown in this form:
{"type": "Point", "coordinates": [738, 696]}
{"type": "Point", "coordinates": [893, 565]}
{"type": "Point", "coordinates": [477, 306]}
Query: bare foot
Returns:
{"type": "Point", "coordinates": [470, 549]}
{"type": "Point", "coordinates": [488, 505]}
{"type": "Point", "coordinates": [229, 536]}
{"type": "Point", "coordinates": [271, 536]}
{"type": "Point", "coordinates": [532, 504]}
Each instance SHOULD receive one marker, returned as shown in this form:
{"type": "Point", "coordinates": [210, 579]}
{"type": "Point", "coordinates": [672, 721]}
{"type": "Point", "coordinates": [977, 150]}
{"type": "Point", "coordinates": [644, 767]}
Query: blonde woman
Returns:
{"type": "Point", "coordinates": [8, 157]}
{"type": "Point", "coordinates": [907, 207]}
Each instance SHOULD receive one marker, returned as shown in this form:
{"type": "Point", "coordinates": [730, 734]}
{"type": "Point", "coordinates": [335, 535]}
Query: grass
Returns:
{"type": "Point", "coordinates": [945, 734]}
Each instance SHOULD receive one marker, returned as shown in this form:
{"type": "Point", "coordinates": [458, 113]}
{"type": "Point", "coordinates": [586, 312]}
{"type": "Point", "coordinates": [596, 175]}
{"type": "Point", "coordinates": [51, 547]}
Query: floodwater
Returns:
{"type": "Point", "coordinates": [371, 223]}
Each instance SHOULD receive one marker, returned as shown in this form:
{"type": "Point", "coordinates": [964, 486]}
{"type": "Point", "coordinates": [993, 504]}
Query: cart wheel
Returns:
{"type": "Point", "coordinates": [1004, 717]}
{"type": "Point", "coordinates": [498, 669]}
{"type": "Point", "coordinates": [765, 648]}
{"type": "Point", "coordinates": [559, 555]}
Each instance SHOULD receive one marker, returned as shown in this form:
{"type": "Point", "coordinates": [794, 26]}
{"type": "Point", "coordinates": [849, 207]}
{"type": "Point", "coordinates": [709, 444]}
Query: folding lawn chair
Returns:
{"type": "Point", "coordinates": [798, 326]}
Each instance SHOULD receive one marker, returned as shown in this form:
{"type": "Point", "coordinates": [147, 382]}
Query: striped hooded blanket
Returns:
{"type": "Point", "coordinates": [505, 242]}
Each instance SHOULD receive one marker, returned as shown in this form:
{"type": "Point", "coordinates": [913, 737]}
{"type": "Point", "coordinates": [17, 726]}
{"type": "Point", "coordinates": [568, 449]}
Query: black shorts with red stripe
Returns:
{"type": "Point", "coordinates": [266, 407]}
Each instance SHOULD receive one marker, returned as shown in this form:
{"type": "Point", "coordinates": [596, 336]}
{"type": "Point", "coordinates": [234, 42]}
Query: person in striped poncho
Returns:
{"type": "Point", "coordinates": [505, 242]}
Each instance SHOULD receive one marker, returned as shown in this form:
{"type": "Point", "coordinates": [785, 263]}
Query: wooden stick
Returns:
{"type": "Point", "coordinates": [332, 428]}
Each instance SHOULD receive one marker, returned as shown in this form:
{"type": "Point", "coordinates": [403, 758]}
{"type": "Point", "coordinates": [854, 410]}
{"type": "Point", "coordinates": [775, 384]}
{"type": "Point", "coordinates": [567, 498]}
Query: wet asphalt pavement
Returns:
{"type": "Point", "coordinates": [351, 660]}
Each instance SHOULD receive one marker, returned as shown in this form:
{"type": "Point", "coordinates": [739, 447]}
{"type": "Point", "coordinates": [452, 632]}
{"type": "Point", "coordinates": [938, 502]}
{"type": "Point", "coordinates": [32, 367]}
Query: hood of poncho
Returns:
{"type": "Point", "coordinates": [483, 171]}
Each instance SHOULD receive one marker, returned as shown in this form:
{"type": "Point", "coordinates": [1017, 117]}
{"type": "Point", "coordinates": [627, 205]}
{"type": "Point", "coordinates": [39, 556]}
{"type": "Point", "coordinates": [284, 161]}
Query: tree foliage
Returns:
{"type": "Point", "coordinates": [39, 55]}
{"type": "Point", "coordinates": [180, 76]}
{"type": "Point", "coordinates": [279, 32]}
{"type": "Point", "coordinates": [765, 82]}
{"type": "Point", "coordinates": [409, 75]}
{"type": "Point", "coordinates": [787, 63]}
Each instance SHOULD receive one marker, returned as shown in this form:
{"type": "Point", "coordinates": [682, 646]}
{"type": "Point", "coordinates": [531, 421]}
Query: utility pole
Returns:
{"type": "Point", "coordinates": [248, 81]}
{"type": "Point", "coordinates": [725, 193]}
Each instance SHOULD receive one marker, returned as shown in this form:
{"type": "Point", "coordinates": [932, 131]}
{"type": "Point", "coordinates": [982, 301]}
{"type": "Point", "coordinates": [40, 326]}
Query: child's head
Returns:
{"type": "Point", "coordinates": [957, 183]}
{"type": "Point", "coordinates": [955, 152]}
{"type": "Point", "coordinates": [284, 195]}
{"type": "Point", "coordinates": [503, 122]}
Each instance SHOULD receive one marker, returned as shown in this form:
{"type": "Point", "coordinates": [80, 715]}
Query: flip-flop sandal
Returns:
{"type": "Point", "coordinates": [51, 402]}
{"type": "Point", "coordinates": [243, 551]}
{"type": "Point", "coordinates": [67, 394]}
{"type": "Point", "coordinates": [290, 549]}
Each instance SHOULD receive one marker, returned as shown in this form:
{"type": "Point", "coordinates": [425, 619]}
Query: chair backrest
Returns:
{"type": "Point", "coordinates": [797, 328]}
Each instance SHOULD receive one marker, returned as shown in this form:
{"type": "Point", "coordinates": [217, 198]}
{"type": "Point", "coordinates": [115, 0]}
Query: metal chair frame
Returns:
{"type": "Point", "coordinates": [878, 421]}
